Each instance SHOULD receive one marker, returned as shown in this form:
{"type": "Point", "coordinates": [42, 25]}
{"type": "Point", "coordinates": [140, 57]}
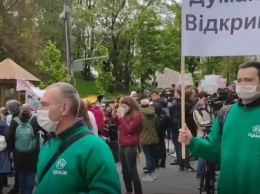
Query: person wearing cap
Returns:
{"type": "Point", "coordinates": [13, 108]}
{"type": "Point", "coordinates": [99, 116]}
{"type": "Point", "coordinates": [134, 95]}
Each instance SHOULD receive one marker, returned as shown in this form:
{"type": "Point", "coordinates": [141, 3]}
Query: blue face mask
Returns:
{"type": "Point", "coordinates": [126, 110]}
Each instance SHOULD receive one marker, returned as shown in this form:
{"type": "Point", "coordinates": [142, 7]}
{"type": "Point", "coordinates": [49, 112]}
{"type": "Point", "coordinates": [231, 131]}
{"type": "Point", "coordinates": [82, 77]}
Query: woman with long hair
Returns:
{"type": "Point", "coordinates": [129, 121]}
{"type": "Point", "coordinates": [88, 117]}
{"type": "Point", "coordinates": [190, 122]}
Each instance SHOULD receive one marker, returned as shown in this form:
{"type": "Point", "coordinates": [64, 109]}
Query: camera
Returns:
{"type": "Point", "coordinates": [168, 94]}
{"type": "Point", "coordinates": [223, 97]}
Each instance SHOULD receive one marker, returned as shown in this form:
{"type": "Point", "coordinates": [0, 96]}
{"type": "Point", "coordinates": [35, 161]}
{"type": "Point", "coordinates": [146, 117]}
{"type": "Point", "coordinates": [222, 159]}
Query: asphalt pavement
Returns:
{"type": "Point", "coordinates": [169, 180]}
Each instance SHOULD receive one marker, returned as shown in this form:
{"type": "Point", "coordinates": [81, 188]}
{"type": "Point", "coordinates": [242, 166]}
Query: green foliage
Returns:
{"type": "Point", "coordinates": [226, 66]}
{"type": "Point", "coordinates": [52, 66]}
{"type": "Point", "coordinates": [140, 37]}
{"type": "Point", "coordinates": [150, 47]}
{"type": "Point", "coordinates": [104, 79]}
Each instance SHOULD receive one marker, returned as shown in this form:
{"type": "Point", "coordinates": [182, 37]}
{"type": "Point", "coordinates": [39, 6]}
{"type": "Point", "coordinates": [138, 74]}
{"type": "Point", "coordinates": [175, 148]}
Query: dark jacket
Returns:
{"type": "Point", "coordinates": [130, 127]}
{"type": "Point", "coordinates": [158, 105]}
{"type": "Point", "coordinates": [5, 162]}
{"type": "Point", "coordinates": [189, 120]}
{"type": "Point", "coordinates": [175, 113]}
{"type": "Point", "coordinates": [150, 126]}
{"type": "Point", "coordinates": [24, 161]}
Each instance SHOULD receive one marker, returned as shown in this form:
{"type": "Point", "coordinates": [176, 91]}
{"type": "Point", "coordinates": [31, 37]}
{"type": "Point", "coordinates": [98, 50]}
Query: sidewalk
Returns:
{"type": "Point", "coordinates": [169, 180]}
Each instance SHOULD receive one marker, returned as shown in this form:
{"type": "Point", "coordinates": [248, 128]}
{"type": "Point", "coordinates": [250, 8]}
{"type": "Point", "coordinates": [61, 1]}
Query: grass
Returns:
{"type": "Point", "coordinates": [87, 88]}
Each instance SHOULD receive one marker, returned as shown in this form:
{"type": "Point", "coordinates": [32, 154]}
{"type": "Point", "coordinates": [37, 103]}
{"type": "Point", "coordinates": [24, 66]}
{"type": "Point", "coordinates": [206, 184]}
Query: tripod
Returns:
{"type": "Point", "coordinates": [207, 181]}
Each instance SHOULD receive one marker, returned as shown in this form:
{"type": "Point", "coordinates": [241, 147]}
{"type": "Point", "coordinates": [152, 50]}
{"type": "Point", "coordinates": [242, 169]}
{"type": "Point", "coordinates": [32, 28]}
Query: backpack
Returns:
{"type": "Point", "coordinates": [165, 114]}
{"type": "Point", "coordinates": [25, 140]}
{"type": "Point", "coordinates": [222, 117]}
{"type": "Point", "coordinates": [3, 143]}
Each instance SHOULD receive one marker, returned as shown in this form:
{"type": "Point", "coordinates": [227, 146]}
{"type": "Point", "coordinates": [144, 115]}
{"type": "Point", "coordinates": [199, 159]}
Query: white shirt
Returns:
{"type": "Point", "coordinates": [8, 119]}
{"type": "Point", "coordinates": [93, 122]}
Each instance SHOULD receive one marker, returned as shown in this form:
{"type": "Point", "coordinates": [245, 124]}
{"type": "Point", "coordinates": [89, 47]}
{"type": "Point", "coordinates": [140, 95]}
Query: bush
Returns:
{"type": "Point", "coordinates": [120, 87]}
{"type": "Point", "coordinates": [111, 88]}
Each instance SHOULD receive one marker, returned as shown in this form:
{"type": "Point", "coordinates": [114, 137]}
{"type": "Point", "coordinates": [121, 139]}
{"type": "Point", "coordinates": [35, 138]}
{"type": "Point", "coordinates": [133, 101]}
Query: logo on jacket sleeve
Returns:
{"type": "Point", "coordinates": [255, 132]}
{"type": "Point", "coordinates": [60, 164]}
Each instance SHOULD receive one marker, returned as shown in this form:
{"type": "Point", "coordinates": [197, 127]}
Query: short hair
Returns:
{"type": "Point", "coordinates": [145, 102]}
{"type": "Point", "coordinates": [155, 92]}
{"type": "Point", "coordinates": [68, 93]}
{"type": "Point", "coordinates": [249, 64]}
{"type": "Point", "coordinates": [13, 107]}
{"type": "Point", "coordinates": [202, 95]}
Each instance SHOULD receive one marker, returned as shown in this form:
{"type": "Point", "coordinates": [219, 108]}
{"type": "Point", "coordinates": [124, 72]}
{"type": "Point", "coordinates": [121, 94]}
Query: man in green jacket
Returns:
{"type": "Point", "coordinates": [87, 165]}
{"type": "Point", "coordinates": [237, 145]}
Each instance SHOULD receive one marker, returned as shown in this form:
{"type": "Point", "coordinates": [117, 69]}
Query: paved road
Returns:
{"type": "Point", "coordinates": [169, 180]}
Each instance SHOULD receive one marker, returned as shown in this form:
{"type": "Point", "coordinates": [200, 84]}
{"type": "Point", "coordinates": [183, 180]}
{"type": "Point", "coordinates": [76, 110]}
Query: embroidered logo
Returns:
{"type": "Point", "coordinates": [256, 132]}
{"type": "Point", "coordinates": [61, 163]}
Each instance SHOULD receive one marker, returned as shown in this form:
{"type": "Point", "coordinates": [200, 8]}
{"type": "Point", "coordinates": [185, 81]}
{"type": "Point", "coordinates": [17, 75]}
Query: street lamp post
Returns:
{"type": "Point", "coordinates": [65, 15]}
{"type": "Point", "coordinates": [67, 34]}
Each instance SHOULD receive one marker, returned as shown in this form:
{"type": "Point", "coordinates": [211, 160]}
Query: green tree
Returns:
{"type": "Point", "coordinates": [171, 36]}
{"type": "Point", "coordinates": [52, 66]}
{"type": "Point", "coordinates": [104, 79]}
{"type": "Point", "coordinates": [149, 46]}
{"type": "Point", "coordinates": [19, 35]}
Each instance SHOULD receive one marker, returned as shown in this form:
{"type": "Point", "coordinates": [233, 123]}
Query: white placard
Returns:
{"type": "Point", "coordinates": [188, 80]}
{"type": "Point", "coordinates": [212, 78]}
{"type": "Point", "coordinates": [22, 84]}
{"type": "Point", "coordinates": [223, 83]}
{"type": "Point", "coordinates": [220, 27]}
{"type": "Point", "coordinates": [161, 79]}
{"type": "Point", "coordinates": [210, 86]}
{"type": "Point", "coordinates": [172, 76]}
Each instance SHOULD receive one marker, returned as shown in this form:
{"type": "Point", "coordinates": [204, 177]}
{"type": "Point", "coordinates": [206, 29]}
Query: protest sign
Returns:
{"type": "Point", "coordinates": [188, 80]}
{"type": "Point", "coordinates": [220, 27]}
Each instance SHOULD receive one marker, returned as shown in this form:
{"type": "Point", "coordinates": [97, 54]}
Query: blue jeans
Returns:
{"type": "Point", "coordinates": [200, 167]}
{"type": "Point", "coordinates": [177, 145]}
{"type": "Point", "coordinates": [27, 182]}
{"type": "Point", "coordinates": [149, 152]}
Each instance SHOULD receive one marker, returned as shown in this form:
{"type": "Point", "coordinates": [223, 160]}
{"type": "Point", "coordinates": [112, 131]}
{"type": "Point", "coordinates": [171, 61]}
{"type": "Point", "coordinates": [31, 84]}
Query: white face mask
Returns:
{"type": "Point", "coordinates": [45, 122]}
{"type": "Point", "coordinates": [247, 92]}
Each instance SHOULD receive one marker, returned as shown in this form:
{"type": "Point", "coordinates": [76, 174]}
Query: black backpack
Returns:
{"type": "Point", "coordinates": [222, 117]}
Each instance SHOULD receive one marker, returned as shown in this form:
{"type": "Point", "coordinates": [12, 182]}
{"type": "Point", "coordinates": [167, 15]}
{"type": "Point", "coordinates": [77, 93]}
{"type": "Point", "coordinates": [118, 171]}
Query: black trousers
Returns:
{"type": "Point", "coordinates": [128, 156]}
{"type": "Point", "coordinates": [2, 181]}
{"type": "Point", "coordinates": [160, 158]}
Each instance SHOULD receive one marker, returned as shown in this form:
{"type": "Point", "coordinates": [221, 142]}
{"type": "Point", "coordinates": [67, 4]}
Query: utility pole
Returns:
{"type": "Point", "coordinates": [66, 11]}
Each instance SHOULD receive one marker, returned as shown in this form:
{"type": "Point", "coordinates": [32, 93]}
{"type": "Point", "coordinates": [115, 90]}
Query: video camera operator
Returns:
{"type": "Point", "coordinates": [223, 97]}
{"type": "Point", "coordinates": [204, 119]}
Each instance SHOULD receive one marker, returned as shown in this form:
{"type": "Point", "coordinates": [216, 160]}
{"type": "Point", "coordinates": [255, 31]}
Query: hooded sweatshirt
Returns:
{"type": "Point", "coordinates": [150, 126]}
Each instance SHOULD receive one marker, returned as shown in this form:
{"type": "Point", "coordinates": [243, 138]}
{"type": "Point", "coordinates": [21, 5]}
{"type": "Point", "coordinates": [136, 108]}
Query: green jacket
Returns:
{"type": "Point", "coordinates": [150, 126]}
{"type": "Point", "coordinates": [237, 150]}
{"type": "Point", "coordinates": [87, 166]}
